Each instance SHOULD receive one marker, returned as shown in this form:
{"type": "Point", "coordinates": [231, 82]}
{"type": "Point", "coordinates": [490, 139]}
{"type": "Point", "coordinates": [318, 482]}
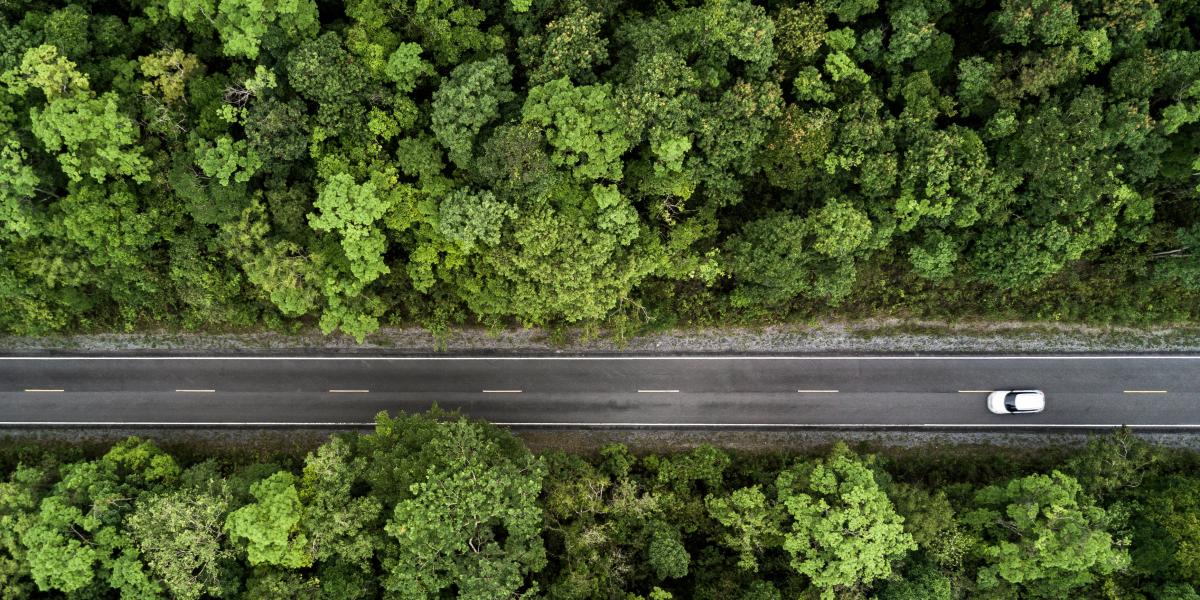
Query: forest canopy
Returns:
{"type": "Point", "coordinates": [250, 163]}
{"type": "Point", "coordinates": [435, 506]}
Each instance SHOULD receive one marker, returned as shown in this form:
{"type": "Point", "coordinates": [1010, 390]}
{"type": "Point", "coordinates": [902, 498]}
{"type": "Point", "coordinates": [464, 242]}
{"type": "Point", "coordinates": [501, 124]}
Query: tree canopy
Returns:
{"type": "Point", "coordinates": [352, 164]}
{"type": "Point", "coordinates": [436, 506]}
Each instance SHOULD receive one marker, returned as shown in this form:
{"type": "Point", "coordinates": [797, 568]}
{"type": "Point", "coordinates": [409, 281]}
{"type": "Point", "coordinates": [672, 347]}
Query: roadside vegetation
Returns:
{"type": "Point", "coordinates": [250, 163]}
{"type": "Point", "coordinates": [435, 506]}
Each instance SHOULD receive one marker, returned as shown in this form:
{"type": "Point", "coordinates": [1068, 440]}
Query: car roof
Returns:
{"type": "Point", "coordinates": [1029, 401]}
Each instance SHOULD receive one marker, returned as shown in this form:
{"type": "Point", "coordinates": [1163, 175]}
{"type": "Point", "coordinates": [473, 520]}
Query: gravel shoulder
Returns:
{"type": "Point", "coordinates": [297, 442]}
{"type": "Point", "coordinates": [883, 336]}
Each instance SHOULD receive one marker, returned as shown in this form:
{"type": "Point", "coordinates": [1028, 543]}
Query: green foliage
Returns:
{"type": "Point", "coordinates": [489, 540]}
{"type": "Point", "coordinates": [843, 532]}
{"type": "Point", "coordinates": [91, 136]}
{"type": "Point", "coordinates": [467, 101]}
{"type": "Point", "coordinates": [753, 524]}
{"type": "Point", "coordinates": [1042, 535]}
{"type": "Point", "coordinates": [242, 24]}
{"type": "Point", "coordinates": [433, 505]}
{"type": "Point", "coordinates": [180, 539]}
{"type": "Point", "coordinates": [18, 182]}
{"type": "Point", "coordinates": [42, 68]}
{"type": "Point", "coordinates": [405, 67]}
{"type": "Point", "coordinates": [583, 126]}
{"type": "Point", "coordinates": [571, 48]}
{"type": "Point", "coordinates": [228, 160]}
{"type": "Point", "coordinates": [351, 210]}
{"type": "Point", "coordinates": [666, 555]}
{"type": "Point", "coordinates": [76, 537]}
{"type": "Point", "coordinates": [269, 525]}
{"type": "Point", "coordinates": [783, 256]}
{"type": "Point", "coordinates": [611, 164]}
{"type": "Point", "coordinates": [168, 71]}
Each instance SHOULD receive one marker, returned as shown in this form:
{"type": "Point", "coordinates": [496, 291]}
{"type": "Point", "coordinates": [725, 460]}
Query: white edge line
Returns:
{"type": "Point", "coordinates": [658, 391]}
{"type": "Point", "coordinates": [501, 358]}
{"type": "Point", "coordinates": [849, 425]}
{"type": "Point", "coordinates": [816, 391]}
{"type": "Point", "coordinates": [180, 424]}
{"type": "Point", "coordinates": [663, 425]}
{"type": "Point", "coordinates": [1145, 391]}
{"type": "Point", "coordinates": [195, 391]}
{"type": "Point", "coordinates": [37, 390]}
{"type": "Point", "coordinates": [502, 391]}
{"type": "Point", "coordinates": [349, 391]}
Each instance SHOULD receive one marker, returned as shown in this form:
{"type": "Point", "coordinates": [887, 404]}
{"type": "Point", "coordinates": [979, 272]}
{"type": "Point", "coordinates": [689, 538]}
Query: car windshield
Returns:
{"type": "Point", "coordinates": [1010, 401]}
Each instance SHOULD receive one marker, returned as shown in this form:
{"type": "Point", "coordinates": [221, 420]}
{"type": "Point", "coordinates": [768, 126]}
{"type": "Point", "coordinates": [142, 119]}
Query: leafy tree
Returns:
{"type": "Point", "coordinates": [351, 210]}
{"type": "Point", "coordinates": [1041, 535]}
{"type": "Point", "coordinates": [243, 24]}
{"type": "Point", "coordinates": [582, 125]}
{"type": "Point", "coordinates": [471, 519]}
{"type": "Point", "coordinates": [932, 523]}
{"type": "Point", "coordinates": [91, 137]}
{"type": "Point", "coordinates": [1166, 531]}
{"type": "Point", "coordinates": [562, 263]}
{"type": "Point", "coordinates": [19, 498]}
{"type": "Point", "coordinates": [168, 71]}
{"type": "Point", "coordinates": [18, 184]}
{"type": "Point", "coordinates": [466, 102]}
{"type": "Point", "coordinates": [1112, 463]}
{"type": "Point", "coordinates": [842, 531]}
{"type": "Point", "coordinates": [180, 538]}
{"type": "Point", "coordinates": [405, 67]}
{"type": "Point", "coordinates": [44, 69]}
{"type": "Point", "coordinates": [269, 526]}
{"type": "Point", "coordinates": [571, 48]}
{"type": "Point", "coordinates": [782, 256]}
{"type": "Point", "coordinates": [339, 524]}
{"type": "Point", "coordinates": [753, 524]}
{"type": "Point", "coordinates": [228, 160]}
{"type": "Point", "coordinates": [76, 537]}
{"type": "Point", "coordinates": [666, 554]}
{"type": "Point", "coordinates": [923, 583]}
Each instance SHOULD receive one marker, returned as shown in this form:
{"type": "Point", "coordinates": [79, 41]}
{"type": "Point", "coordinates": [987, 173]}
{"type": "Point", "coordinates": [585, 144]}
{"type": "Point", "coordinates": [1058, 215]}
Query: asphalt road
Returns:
{"type": "Point", "coordinates": [770, 391]}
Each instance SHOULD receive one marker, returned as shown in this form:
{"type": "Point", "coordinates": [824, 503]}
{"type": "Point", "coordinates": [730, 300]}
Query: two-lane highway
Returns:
{"type": "Point", "coordinates": [732, 391]}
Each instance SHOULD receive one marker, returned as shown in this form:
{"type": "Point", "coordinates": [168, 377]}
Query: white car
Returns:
{"type": "Point", "coordinates": [1005, 402]}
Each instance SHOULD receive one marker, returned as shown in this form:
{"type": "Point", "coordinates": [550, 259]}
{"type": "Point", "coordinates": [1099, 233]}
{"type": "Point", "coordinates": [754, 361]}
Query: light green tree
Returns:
{"type": "Point", "coordinates": [752, 524]}
{"type": "Point", "coordinates": [228, 160]}
{"type": "Point", "coordinates": [583, 125]}
{"type": "Point", "coordinates": [470, 520]}
{"type": "Point", "coordinates": [18, 183]}
{"type": "Point", "coordinates": [268, 529]}
{"type": "Point", "coordinates": [1042, 537]}
{"type": "Point", "coordinates": [77, 536]}
{"type": "Point", "coordinates": [242, 24]}
{"type": "Point", "coordinates": [351, 210]}
{"type": "Point", "coordinates": [180, 538]}
{"type": "Point", "coordinates": [842, 531]}
{"type": "Point", "coordinates": [90, 136]}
